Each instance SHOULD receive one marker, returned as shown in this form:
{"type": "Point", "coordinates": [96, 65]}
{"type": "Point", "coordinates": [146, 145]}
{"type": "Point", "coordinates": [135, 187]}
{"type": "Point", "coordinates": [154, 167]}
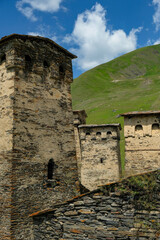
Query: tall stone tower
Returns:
{"type": "Point", "coordinates": [37, 150]}
{"type": "Point", "coordinates": [99, 159]}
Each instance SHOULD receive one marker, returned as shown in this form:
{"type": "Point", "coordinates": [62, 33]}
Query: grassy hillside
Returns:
{"type": "Point", "coordinates": [128, 83]}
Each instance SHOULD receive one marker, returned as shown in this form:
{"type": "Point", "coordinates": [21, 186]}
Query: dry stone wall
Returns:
{"type": "Point", "coordinates": [114, 212]}
{"type": "Point", "coordinates": [142, 143]}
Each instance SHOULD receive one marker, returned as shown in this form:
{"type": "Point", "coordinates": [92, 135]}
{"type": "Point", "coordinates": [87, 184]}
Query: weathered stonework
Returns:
{"type": "Point", "coordinates": [142, 141]}
{"type": "Point", "coordinates": [100, 154]}
{"type": "Point", "coordinates": [36, 131]}
{"type": "Point", "coordinates": [114, 212]}
{"type": "Point", "coordinates": [79, 118]}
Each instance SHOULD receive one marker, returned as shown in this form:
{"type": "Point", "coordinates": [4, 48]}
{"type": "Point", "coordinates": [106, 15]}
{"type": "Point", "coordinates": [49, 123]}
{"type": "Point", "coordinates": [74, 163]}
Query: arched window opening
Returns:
{"type": "Point", "coordinates": [109, 133]}
{"type": "Point", "coordinates": [155, 128]}
{"type": "Point", "coordinates": [98, 133]}
{"type": "Point", "coordinates": [3, 58]}
{"type": "Point", "coordinates": [88, 134]}
{"type": "Point", "coordinates": [50, 168]}
{"type": "Point", "coordinates": [139, 130]}
{"type": "Point", "coordinates": [46, 64]}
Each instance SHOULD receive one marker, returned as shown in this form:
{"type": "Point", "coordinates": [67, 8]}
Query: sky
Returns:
{"type": "Point", "coordinates": [95, 31]}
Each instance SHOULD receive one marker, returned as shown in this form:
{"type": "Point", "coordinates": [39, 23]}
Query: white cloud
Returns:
{"type": "Point", "coordinates": [156, 16]}
{"type": "Point", "coordinates": [43, 30]}
{"type": "Point", "coordinates": [157, 42]}
{"type": "Point", "coordinates": [95, 43]}
{"type": "Point", "coordinates": [27, 7]}
{"type": "Point", "coordinates": [54, 38]}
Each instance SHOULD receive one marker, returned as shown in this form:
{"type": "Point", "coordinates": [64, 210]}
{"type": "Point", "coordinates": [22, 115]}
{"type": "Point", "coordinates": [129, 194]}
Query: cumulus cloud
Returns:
{"type": "Point", "coordinates": [27, 7]}
{"type": "Point", "coordinates": [157, 42]}
{"type": "Point", "coordinates": [156, 16]}
{"type": "Point", "coordinates": [95, 42]}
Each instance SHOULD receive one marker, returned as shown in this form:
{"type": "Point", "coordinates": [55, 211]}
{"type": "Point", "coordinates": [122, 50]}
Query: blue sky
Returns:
{"type": "Point", "coordinates": [96, 31]}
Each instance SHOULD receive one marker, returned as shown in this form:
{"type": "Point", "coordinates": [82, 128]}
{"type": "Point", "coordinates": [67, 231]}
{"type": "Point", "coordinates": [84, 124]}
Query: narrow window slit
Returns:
{"type": "Point", "coordinates": [46, 64]}
{"type": "Point", "coordinates": [51, 167]}
{"type": "Point", "coordinates": [3, 58]}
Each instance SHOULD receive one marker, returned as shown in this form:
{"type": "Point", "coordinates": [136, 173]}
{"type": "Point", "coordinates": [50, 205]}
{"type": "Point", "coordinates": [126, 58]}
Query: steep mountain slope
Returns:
{"type": "Point", "coordinates": [128, 83]}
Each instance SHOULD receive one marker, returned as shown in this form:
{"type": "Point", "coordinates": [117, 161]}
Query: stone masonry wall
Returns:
{"type": "Point", "coordinates": [142, 143]}
{"type": "Point", "coordinates": [79, 118]}
{"type": "Point", "coordinates": [6, 143]}
{"type": "Point", "coordinates": [42, 130]}
{"type": "Point", "coordinates": [117, 212]}
{"type": "Point", "coordinates": [100, 154]}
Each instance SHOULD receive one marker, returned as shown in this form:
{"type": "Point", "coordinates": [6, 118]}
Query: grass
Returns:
{"type": "Point", "coordinates": [128, 83]}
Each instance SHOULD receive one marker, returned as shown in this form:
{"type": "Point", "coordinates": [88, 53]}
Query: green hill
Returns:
{"type": "Point", "coordinates": [128, 83]}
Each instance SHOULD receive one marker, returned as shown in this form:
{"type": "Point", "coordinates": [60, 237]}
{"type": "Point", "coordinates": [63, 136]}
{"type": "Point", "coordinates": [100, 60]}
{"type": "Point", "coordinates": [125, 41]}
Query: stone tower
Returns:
{"type": "Point", "coordinates": [99, 161]}
{"type": "Point", "coordinates": [37, 150]}
{"type": "Point", "coordinates": [142, 141]}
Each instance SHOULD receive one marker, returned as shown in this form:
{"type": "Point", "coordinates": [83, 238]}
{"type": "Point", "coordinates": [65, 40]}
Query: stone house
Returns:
{"type": "Point", "coordinates": [142, 141]}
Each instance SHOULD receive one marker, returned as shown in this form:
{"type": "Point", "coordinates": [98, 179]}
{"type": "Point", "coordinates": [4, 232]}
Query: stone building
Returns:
{"type": "Point", "coordinates": [99, 154]}
{"type": "Point", "coordinates": [37, 148]}
{"type": "Point", "coordinates": [142, 141]}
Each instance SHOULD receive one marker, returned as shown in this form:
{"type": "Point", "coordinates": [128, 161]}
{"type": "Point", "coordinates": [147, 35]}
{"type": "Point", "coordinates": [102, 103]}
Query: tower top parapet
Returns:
{"type": "Point", "coordinates": [37, 38]}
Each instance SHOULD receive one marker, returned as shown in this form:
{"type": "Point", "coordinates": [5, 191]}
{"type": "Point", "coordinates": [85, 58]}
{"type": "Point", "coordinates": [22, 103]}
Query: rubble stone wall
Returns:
{"type": "Point", "coordinates": [117, 212]}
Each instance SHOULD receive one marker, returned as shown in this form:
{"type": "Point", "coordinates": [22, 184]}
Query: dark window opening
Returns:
{"type": "Point", "coordinates": [3, 58]}
{"type": "Point", "coordinates": [101, 160]}
{"type": "Point", "coordinates": [88, 133]}
{"type": "Point", "coordinates": [28, 62]}
{"type": "Point", "coordinates": [46, 64]}
{"type": "Point", "coordinates": [28, 59]}
{"type": "Point", "coordinates": [109, 133]}
{"type": "Point", "coordinates": [61, 69]}
{"type": "Point", "coordinates": [98, 133]}
{"type": "Point", "coordinates": [50, 168]}
{"type": "Point", "coordinates": [138, 127]}
{"type": "Point", "coordinates": [155, 126]}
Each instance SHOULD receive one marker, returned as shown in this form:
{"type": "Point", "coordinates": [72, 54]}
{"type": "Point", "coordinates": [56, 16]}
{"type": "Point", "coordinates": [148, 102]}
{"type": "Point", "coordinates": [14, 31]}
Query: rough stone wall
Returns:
{"type": "Point", "coordinates": [42, 129]}
{"type": "Point", "coordinates": [114, 213]}
{"type": "Point", "coordinates": [79, 118]}
{"type": "Point", "coordinates": [142, 143]}
{"type": "Point", "coordinates": [100, 155]}
{"type": "Point", "coordinates": [6, 143]}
